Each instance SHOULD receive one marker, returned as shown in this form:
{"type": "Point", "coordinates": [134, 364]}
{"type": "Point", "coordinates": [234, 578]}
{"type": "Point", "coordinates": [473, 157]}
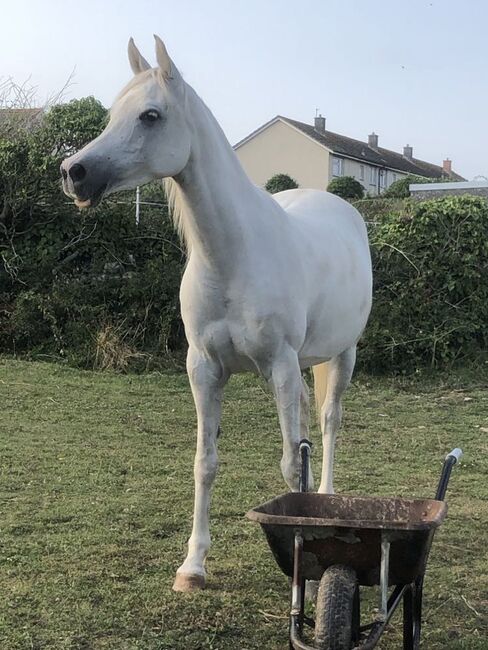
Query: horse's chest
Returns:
{"type": "Point", "coordinates": [237, 345]}
{"type": "Point", "coordinates": [238, 337]}
{"type": "Point", "coordinates": [241, 325]}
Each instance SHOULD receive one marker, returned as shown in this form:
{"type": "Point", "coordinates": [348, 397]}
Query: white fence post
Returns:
{"type": "Point", "coordinates": [137, 205]}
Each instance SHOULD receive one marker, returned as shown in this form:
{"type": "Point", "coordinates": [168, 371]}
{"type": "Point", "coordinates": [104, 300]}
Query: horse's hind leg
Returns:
{"type": "Point", "coordinates": [305, 422]}
{"type": "Point", "coordinates": [286, 382]}
{"type": "Point", "coordinates": [339, 373]}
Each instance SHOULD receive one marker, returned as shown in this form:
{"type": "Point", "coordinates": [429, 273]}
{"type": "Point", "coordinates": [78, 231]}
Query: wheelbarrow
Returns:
{"type": "Point", "coordinates": [348, 542]}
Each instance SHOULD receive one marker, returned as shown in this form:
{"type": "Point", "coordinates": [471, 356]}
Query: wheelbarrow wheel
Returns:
{"type": "Point", "coordinates": [334, 610]}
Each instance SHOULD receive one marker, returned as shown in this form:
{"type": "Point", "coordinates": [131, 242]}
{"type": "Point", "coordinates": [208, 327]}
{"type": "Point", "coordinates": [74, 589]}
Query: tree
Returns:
{"type": "Point", "coordinates": [347, 187]}
{"type": "Point", "coordinates": [280, 183]}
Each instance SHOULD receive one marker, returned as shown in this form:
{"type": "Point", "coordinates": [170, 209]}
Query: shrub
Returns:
{"type": "Point", "coordinates": [66, 277]}
{"type": "Point", "coordinates": [399, 189]}
{"type": "Point", "coordinates": [347, 187]}
{"type": "Point", "coordinates": [430, 304]}
{"type": "Point", "coordinates": [280, 183]}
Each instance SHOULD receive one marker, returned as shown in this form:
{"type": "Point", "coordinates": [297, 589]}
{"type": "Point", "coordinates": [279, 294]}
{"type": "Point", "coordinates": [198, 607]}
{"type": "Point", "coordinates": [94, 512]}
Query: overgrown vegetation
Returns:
{"type": "Point", "coordinates": [347, 187]}
{"type": "Point", "coordinates": [400, 188]}
{"type": "Point", "coordinates": [430, 306]}
{"type": "Point", "coordinates": [68, 279]}
{"type": "Point", "coordinates": [280, 183]}
{"type": "Point", "coordinates": [96, 486]}
{"type": "Point", "coordinates": [102, 291]}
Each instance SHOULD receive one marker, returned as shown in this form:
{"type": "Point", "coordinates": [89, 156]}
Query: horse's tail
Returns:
{"type": "Point", "coordinates": [320, 372]}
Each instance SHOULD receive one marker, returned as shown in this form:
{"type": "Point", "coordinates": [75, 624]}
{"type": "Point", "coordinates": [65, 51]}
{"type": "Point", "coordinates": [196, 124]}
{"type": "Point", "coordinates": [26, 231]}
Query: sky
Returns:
{"type": "Point", "coordinates": [412, 71]}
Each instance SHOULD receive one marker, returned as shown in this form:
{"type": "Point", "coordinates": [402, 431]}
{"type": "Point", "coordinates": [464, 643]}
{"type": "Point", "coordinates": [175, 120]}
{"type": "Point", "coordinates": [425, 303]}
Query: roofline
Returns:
{"type": "Point", "coordinates": [373, 164]}
{"type": "Point", "coordinates": [292, 126]}
{"type": "Point", "coordinates": [256, 132]}
{"type": "Point", "coordinates": [284, 120]}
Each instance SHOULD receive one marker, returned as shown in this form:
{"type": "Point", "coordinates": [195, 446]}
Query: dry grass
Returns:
{"type": "Point", "coordinates": [112, 351]}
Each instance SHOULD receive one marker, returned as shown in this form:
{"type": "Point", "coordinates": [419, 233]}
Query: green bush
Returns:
{"type": "Point", "coordinates": [97, 290]}
{"type": "Point", "coordinates": [399, 189]}
{"type": "Point", "coordinates": [67, 277]}
{"type": "Point", "coordinates": [280, 183]}
{"type": "Point", "coordinates": [430, 301]}
{"type": "Point", "coordinates": [347, 187]}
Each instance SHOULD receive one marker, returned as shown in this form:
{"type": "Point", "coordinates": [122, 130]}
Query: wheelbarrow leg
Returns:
{"type": "Point", "coordinates": [356, 618]}
{"type": "Point", "coordinates": [408, 619]}
{"type": "Point", "coordinates": [412, 615]}
{"type": "Point", "coordinates": [417, 611]}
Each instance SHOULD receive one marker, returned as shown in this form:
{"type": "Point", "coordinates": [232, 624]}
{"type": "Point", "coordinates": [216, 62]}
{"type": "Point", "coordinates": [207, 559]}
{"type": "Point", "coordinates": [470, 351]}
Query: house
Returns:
{"type": "Point", "coordinates": [313, 156]}
{"type": "Point", "coordinates": [12, 119]}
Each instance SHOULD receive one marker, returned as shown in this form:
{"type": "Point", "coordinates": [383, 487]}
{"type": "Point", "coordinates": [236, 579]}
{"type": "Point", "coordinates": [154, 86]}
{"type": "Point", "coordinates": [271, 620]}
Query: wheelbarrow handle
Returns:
{"type": "Point", "coordinates": [305, 449]}
{"type": "Point", "coordinates": [451, 459]}
{"type": "Point", "coordinates": [456, 454]}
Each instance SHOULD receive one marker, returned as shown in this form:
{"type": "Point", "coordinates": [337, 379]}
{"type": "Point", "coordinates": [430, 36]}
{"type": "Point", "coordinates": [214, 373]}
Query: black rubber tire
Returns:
{"type": "Point", "coordinates": [334, 609]}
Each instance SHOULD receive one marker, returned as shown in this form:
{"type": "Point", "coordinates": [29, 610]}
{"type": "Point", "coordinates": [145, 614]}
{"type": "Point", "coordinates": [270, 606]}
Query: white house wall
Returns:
{"type": "Point", "coordinates": [353, 168]}
{"type": "Point", "coordinates": [281, 149]}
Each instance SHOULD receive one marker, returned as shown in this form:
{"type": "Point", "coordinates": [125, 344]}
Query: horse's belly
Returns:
{"type": "Point", "coordinates": [333, 328]}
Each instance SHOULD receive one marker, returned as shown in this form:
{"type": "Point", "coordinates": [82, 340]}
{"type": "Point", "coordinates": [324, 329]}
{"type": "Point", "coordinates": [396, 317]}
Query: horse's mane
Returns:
{"type": "Point", "coordinates": [177, 210]}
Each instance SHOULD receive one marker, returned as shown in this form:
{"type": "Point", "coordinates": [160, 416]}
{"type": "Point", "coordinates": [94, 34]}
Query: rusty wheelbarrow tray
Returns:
{"type": "Point", "coordinates": [352, 541]}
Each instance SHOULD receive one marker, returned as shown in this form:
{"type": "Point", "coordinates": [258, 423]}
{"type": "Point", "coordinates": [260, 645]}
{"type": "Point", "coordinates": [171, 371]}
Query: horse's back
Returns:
{"type": "Point", "coordinates": [321, 208]}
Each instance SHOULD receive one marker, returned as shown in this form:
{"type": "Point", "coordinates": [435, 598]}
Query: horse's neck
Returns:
{"type": "Point", "coordinates": [212, 195]}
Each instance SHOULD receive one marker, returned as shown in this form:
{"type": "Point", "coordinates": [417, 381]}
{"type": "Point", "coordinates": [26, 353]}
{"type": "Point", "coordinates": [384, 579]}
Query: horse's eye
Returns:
{"type": "Point", "coordinates": [149, 117]}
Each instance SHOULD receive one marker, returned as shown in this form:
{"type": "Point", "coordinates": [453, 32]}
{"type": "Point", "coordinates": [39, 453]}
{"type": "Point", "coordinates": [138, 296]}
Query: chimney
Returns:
{"type": "Point", "coordinates": [447, 166]}
{"type": "Point", "coordinates": [373, 140]}
{"type": "Point", "coordinates": [319, 124]}
{"type": "Point", "coordinates": [408, 152]}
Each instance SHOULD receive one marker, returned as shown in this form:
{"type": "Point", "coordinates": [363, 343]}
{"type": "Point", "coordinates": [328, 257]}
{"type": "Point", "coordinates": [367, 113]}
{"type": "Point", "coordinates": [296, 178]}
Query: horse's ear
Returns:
{"type": "Point", "coordinates": [137, 62]}
{"type": "Point", "coordinates": [165, 64]}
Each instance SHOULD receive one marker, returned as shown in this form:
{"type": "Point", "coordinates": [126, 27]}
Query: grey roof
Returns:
{"type": "Point", "coordinates": [342, 145]}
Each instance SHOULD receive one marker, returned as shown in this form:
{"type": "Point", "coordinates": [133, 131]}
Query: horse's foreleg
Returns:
{"type": "Point", "coordinates": [206, 383]}
{"type": "Point", "coordinates": [339, 373]}
{"type": "Point", "coordinates": [286, 382]}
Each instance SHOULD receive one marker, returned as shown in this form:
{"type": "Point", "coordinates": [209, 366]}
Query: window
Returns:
{"type": "Point", "coordinates": [361, 172]}
{"type": "Point", "coordinates": [337, 166]}
{"type": "Point", "coordinates": [394, 177]}
{"type": "Point", "coordinates": [383, 174]}
{"type": "Point", "coordinates": [373, 176]}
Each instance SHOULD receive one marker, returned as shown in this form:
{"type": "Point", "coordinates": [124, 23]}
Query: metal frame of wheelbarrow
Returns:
{"type": "Point", "coordinates": [385, 540]}
{"type": "Point", "coordinates": [410, 594]}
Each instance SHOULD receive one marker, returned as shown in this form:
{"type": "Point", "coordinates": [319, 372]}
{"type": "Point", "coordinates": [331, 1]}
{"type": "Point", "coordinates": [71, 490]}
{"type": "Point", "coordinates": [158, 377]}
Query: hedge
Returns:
{"type": "Point", "coordinates": [430, 305]}
{"type": "Point", "coordinates": [94, 290]}
{"type": "Point", "coordinates": [102, 291]}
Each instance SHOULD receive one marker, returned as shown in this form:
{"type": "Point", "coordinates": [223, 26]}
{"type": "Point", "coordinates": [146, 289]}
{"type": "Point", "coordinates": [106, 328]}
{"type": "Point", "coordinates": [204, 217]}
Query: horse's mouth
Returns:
{"type": "Point", "coordinates": [92, 202]}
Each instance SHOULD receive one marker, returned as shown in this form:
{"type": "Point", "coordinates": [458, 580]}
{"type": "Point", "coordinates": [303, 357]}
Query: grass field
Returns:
{"type": "Point", "coordinates": [96, 501]}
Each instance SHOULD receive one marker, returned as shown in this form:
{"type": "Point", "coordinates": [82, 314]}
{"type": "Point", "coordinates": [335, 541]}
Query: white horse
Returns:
{"type": "Point", "coordinates": [273, 284]}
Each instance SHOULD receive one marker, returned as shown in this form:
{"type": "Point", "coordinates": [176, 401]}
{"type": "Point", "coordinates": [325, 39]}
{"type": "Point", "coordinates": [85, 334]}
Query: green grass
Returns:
{"type": "Point", "coordinates": [96, 488]}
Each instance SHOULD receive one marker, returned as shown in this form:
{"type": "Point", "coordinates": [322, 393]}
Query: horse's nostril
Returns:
{"type": "Point", "coordinates": [77, 172]}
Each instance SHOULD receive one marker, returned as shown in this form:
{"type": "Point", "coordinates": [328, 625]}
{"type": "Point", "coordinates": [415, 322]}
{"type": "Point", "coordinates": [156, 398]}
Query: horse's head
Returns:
{"type": "Point", "coordinates": [147, 136]}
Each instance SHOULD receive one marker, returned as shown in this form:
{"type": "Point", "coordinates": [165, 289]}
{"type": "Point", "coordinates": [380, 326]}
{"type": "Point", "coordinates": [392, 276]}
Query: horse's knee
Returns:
{"type": "Point", "coordinates": [206, 466]}
{"type": "Point", "coordinates": [291, 472]}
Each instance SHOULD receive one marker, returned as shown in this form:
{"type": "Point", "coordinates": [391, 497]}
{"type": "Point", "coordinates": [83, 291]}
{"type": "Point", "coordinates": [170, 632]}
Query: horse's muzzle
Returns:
{"type": "Point", "coordinates": [82, 184]}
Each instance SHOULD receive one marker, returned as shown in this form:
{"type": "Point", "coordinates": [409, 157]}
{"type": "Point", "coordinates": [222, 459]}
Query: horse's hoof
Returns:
{"type": "Point", "coordinates": [188, 582]}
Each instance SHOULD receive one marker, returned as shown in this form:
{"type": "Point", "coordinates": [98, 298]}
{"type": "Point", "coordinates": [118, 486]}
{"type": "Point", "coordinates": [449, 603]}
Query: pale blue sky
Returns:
{"type": "Point", "coordinates": [413, 71]}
